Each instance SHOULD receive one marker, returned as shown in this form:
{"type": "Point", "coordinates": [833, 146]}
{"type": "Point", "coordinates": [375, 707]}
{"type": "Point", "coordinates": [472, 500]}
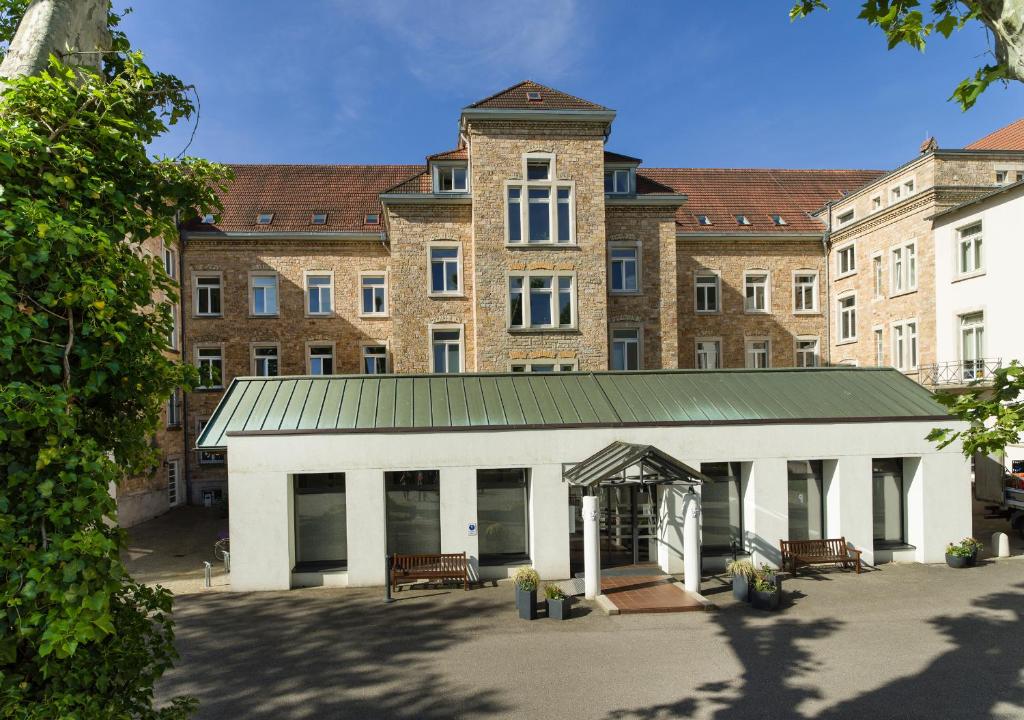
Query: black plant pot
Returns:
{"type": "Point", "coordinates": [958, 561]}
{"type": "Point", "coordinates": [973, 559]}
{"type": "Point", "coordinates": [559, 609]}
{"type": "Point", "coordinates": [741, 588]}
{"type": "Point", "coordinates": [766, 600]}
{"type": "Point", "coordinates": [526, 603]}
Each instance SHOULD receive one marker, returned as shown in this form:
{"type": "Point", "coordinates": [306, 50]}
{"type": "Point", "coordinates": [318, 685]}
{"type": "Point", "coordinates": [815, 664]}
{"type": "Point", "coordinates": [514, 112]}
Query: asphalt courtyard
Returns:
{"type": "Point", "coordinates": [905, 641]}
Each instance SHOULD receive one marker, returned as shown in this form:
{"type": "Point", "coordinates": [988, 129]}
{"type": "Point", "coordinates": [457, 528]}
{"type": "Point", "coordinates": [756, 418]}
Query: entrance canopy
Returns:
{"type": "Point", "coordinates": [623, 462]}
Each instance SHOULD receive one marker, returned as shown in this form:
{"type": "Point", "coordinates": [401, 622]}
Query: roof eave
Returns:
{"type": "Point", "coordinates": [607, 116]}
{"type": "Point", "coordinates": [283, 235]}
{"type": "Point", "coordinates": [673, 199]}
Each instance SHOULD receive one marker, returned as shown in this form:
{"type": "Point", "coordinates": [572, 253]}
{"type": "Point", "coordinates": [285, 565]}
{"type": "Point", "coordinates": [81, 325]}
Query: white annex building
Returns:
{"type": "Point", "coordinates": [327, 475]}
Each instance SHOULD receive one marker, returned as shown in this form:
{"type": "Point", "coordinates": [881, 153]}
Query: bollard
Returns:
{"type": "Point", "coordinates": [207, 574]}
{"type": "Point", "coordinates": [1000, 544]}
{"type": "Point", "coordinates": [227, 562]}
{"type": "Point", "coordinates": [387, 579]}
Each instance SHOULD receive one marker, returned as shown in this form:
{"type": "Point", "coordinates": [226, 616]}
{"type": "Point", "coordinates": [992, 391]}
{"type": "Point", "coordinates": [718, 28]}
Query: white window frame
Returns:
{"type": "Point", "coordinates": [612, 340]}
{"type": "Point", "coordinates": [814, 309]}
{"type": "Point", "coordinates": [220, 355]}
{"type": "Point", "coordinates": [706, 273]}
{"type": "Point", "coordinates": [559, 365]}
{"type": "Point", "coordinates": [553, 185]}
{"type": "Point", "coordinates": [526, 275]}
{"type": "Point", "coordinates": [747, 274]}
{"type": "Point", "coordinates": [444, 245]}
{"type": "Point", "coordinates": [749, 351]}
{"type": "Point", "coordinates": [386, 312]}
{"type": "Point", "coordinates": [1005, 176]}
{"type": "Point", "coordinates": [252, 356]}
{"type": "Point", "coordinates": [977, 247]}
{"type": "Point", "coordinates": [876, 203]}
{"type": "Point", "coordinates": [306, 275]}
{"type": "Point", "coordinates": [878, 278]}
{"type": "Point", "coordinates": [909, 186]}
{"type": "Point", "coordinates": [364, 354]}
{"type": "Point", "coordinates": [902, 281]}
{"type": "Point", "coordinates": [615, 174]}
{"type": "Point", "coordinates": [878, 346]}
{"type": "Point", "coordinates": [310, 344]}
{"type": "Point", "coordinates": [436, 179]}
{"type": "Point", "coordinates": [908, 357]}
{"type": "Point", "coordinates": [850, 248]}
{"type": "Point", "coordinates": [172, 339]}
{"type": "Point", "coordinates": [207, 275]}
{"type": "Point", "coordinates": [979, 348]}
{"type": "Point", "coordinates": [697, 353]}
{"type": "Point", "coordinates": [633, 245]}
{"type": "Point", "coordinates": [173, 409]}
{"type": "Point", "coordinates": [252, 293]}
{"type": "Point", "coordinates": [895, 194]}
{"type": "Point", "coordinates": [840, 340]}
{"type": "Point", "coordinates": [446, 327]}
{"type": "Point", "coordinates": [798, 351]}
{"type": "Point", "coordinates": [174, 494]}
{"type": "Point", "coordinates": [846, 217]}
{"type": "Point", "coordinates": [170, 261]}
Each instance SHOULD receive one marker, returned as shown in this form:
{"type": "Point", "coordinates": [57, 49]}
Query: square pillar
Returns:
{"type": "Point", "coordinates": [458, 510]}
{"type": "Point", "coordinates": [549, 522]}
{"type": "Point", "coordinates": [849, 503]}
{"type": "Point", "coordinates": [767, 498]}
{"type": "Point", "coordinates": [939, 508]}
{"type": "Point", "coordinates": [260, 526]}
{"type": "Point", "coordinates": [366, 517]}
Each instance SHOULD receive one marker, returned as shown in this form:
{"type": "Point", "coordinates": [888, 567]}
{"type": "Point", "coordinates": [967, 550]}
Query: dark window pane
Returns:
{"type": "Point", "coordinates": [320, 518]}
{"type": "Point", "coordinates": [501, 500]}
{"type": "Point", "coordinates": [805, 500]}
{"type": "Point", "coordinates": [413, 511]}
{"type": "Point", "coordinates": [437, 277]}
{"type": "Point", "coordinates": [721, 506]}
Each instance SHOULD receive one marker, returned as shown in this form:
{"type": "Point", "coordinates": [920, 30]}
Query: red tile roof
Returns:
{"type": "Point", "coordinates": [456, 154]}
{"type": "Point", "coordinates": [721, 194]}
{"type": "Point", "coordinates": [515, 98]}
{"type": "Point", "coordinates": [1010, 137]}
{"type": "Point", "coordinates": [614, 157]}
{"type": "Point", "coordinates": [347, 193]}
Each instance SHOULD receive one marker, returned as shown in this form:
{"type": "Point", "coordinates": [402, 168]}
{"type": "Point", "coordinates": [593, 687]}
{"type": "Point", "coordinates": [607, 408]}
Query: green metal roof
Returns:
{"type": "Point", "coordinates": [424, 403]}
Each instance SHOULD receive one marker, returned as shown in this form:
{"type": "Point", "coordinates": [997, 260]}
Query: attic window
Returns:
{"type": "Point", "coordinates": [264, 218]}
{"type": "Point", "coordinates": [209, 219]}
{"type": "Point", "coordinates": [703, 220]}
{"type": "Point", "coordinates": [845, 217]}
{"type": "Point", "coordinates": [319, 219]}
{"type": "Point", "coordinates": [533, 96]}
{"type": "Point", "coordinates": [742, 220]}
{"type": "Point", "coordinates": [373, 219]}
{"type": "Point", "coordinates": [778, 220]}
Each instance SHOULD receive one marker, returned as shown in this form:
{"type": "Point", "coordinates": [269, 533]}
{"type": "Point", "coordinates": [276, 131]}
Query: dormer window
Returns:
{"type": "Point", "coordinates": [264, 218]}
{"type": "Point", "coordinates": [450, 178]}
{"type": "Point", "coordinates": [616, 182]}
{"type": "Point", "coordinates": [846, 217]}
{"type": "Point", "coordinates": [319, 219]}
{"type": "Point", "coordinates": [373, 219]}
{"type": "Point", "coordinates": [538, 170]}
{"type": "Point", "coordinates": [778, 220]}
{"type": "Point", "coordinates": [742, 220]}
{"type": "Point", "coordinates": [703, 220]}
{"type": "Point", "coordinates": [209, 219]}
{"type": "Point", "coordinates": [533, 96]}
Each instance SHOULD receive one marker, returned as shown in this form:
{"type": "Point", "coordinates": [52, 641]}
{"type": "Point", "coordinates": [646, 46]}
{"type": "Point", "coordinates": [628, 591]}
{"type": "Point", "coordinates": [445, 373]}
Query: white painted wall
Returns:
{"type": "Point", "coordinates": [261, 512]}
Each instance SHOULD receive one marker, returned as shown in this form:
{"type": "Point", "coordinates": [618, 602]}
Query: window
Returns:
{"type": "Point", "coordinates": [624, 268]}
{"type": "Point", "coordinates": [758, 353]}
{"type": "Point", "coordinates": [446, 350]}
{"type": "Point", "coordinates": [451, 178]}
{"type": "Point", "coordinates": [1020, 175]}
{"type": "Point", "coordinates": [904, 268]}
{"type": "Point", "coordinates": [847, 260]}
{"type": "Point", "coordinates": [972, 345]}
{"type": "Point", "coordinates": [894, 194]}
{"type": "Point", "coordinates": [845, 218]}
{"type": "Point", "coordinates": [209, 219]}
{"type": "Point", "coordinates": [413, 511]}
{"type": "Point", "coordinates": [969, 254]}
{"type": "Point", "coordinates": [265, 360]}
{"type": "Point", "coordinates": [263, 294]}
{"type": "Point", "coordinates": [876, 275]}
{"type": "Point", "coordinates": [319, 293]}
{"type": "Point", "coordinates": [171, 263]}
{"type": "Point", "coordinates": [847, 320]}
{"type": "Point", "coordinates": [876, 203]}
{"type": "Point", "coordinates": [501, 513]}
{"type": "Point", "coordinates": [173, 475]}
{"type": "Point", "coordinates": [207, 289]}
{"type": "Point", "coordinates": [372, 219]}
{"type": "Point", "coordinates": [908, 188]}
{"type": "Point", "coordinates": [755, 292]}
{"type": "Point", "coordinates": [172, 336]}
{"type": "Point", "coordinates": [321, 359]}
{"type": "Point", "coordinates": [805, 292]}
{"type": "Point", "coordinates": [208, 457]}
{"type": "Point", "coordinates": [742, 220]}
{"type": "Point", "coordinates": [778, 220]}
{"type": "Point", "coordinates": [375, 359]}
{"type": "Point", "coordinates": [210, 361]}
{"type": "Point", "coordinates": [707, 292]}
{"type": "Point", "coordinates": [1001, 176]}
{"type": "Point", "coordinates": [887, 502]}
{"type": "Point", "coordinates": [444, 270]}
{"type": "Point", "coordinates": [904, 345]}
{"type": "Point", "coordinates": [625, 348]}
{"type": "Point", "coordinates": [806, 500]}
{"type": "Point", "coordinates": [616, 182]}
{"type": "Point", "coordinates": [547, 215]}
{"type": "Point", "coordinates": [374, 294]}
{"type": "Point", "coordinates": [174, 409]}
{"type": "Point", "coordinates": [543, 367]}
{"type": "Point", "coordinates": [879, 347]}
{"type": "Point", "coordinates": [533, 96]}
{"type": "Point", "coordinates": [319, 219]}
{"type": "Point", "coordinates": [709, 354]}
{"type": "Point", "coordinates": [264, 218]}
{"type": "Point", "coordinates": [722, 507]}
{"type": "Point", "coordinates": [540, 301]}
{"type": "Point", "coordinates": [807, 352]}
{"type": "Point", "coordinates": [703, 220]}
{"type": "Point", "coordinates": [321, 540]}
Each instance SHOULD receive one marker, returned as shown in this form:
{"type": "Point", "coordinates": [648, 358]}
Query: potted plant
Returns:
{"type": "Point", "coordinates": [526, 581]}
{"type": "Point", "coordinates": [766, 590]}
{"type": "Point", "coordinates": [559, 607]}
{"type": "Point", "coordinates": [962, 554]}
{"type": "Point", "coordinates": [741, 571]}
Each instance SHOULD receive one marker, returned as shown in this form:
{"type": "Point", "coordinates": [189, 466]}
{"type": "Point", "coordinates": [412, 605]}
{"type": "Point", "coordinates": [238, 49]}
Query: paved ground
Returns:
{"type": "Point", "coordinates": [170, 549]}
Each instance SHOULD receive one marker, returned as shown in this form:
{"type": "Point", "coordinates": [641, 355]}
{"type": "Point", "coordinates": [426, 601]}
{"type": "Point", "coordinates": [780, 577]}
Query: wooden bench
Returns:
{"type": "Point", "coordinates": [819, 552]}
{"type": "Point", "coordinates": [445, 566]}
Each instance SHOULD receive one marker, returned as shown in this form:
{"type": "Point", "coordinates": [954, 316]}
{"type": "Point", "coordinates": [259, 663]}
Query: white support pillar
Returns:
{"type": "Point", "coordinates": [591, 548]}
{"type": "Point", "coordinates": [691, 542]}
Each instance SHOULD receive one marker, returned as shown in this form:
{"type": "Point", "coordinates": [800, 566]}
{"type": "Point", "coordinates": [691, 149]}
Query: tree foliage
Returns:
{"type": "Point", "coordinates": [907, 22]}
{"type": "Point", "coordinates": [994, 411]}
{"type": "Point", "coordinates": [84, 372]}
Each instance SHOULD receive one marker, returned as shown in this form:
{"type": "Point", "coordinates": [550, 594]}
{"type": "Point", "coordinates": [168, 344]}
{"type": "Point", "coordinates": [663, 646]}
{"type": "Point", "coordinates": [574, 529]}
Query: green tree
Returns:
{"type": "Point", "coordinates": [907, 22]}
{"type": "Point", "coordinates": [994, 411]}
{"type": "Point", "coordinates": [84, 373]}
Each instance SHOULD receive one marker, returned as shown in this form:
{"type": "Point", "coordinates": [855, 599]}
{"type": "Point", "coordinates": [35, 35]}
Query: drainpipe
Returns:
{"type": "Point", "coordinates": [182, 357]}
{"type": "Point", "coordinates": [826, 241]}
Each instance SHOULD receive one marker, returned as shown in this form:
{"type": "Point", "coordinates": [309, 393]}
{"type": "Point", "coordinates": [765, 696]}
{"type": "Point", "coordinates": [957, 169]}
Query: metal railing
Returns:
{"type": "Point", "coordinates": [959, 372]}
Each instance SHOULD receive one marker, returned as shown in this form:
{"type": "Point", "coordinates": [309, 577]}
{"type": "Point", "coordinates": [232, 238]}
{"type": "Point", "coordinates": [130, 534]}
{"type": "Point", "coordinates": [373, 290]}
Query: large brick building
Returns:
{"type": "Point", "coordinates": [531, 247]}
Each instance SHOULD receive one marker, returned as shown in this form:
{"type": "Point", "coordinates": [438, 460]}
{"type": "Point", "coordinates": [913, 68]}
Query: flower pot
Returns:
{"type": "Point", "coordinates": [973, 559]}
{"type": "Point", "coordinates": [559, 609]}
{"type": "Point", "coordinates": [958, 561]}
{"type": "Point", "coordinates": [526, 603]}
{"type": "Point", "coordinates": [765, 600]}
{"type": "Point", "coordinates": [741, 587]}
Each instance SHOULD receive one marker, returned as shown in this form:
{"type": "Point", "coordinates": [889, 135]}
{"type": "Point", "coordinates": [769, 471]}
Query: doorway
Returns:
{"type": "Point", "coordinates": [628, 525]}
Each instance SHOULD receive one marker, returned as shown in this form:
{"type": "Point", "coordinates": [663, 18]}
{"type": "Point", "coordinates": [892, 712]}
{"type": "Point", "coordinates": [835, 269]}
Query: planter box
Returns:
{"type": "Point", "coordinates": [741, 588]}
{"type": "Point", "coordinates": [526, 603]}
{"type": "Point", "coordinates": [766, 600]}
{"type": "Point", "coordinates": [958, 561]}
{"type": "Point", "coordinates": [560, 609]}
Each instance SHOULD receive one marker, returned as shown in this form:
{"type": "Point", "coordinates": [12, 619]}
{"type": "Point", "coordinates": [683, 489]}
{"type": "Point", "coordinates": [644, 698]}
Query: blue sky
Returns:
{"type": "Point", "coordinates": [382, 81]}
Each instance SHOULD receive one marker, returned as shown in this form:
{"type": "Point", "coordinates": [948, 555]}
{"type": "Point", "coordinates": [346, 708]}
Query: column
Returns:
{"type": "Point", "coordinates": [767, 499]}
{"type": "Point", "coordinates": [260, 527]}
{"type": "Point", "coordinates": [366, 516]}
{"type": "Point", "coordinates": [458, 512]}
{"type": "Point", "coordinates": [549, 522]}
{"type": "Point", "coordinates": [691, 541]}
{"type": "Point", "coordinates": [938, 504]}
{"type": "Point", "coordinates": [591, 548]}
{"type": "Point", "coordinates": [849, 503]}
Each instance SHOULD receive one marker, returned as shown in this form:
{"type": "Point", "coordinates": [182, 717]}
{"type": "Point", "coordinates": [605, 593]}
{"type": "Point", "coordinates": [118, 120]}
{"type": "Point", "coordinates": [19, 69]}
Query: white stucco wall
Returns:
{"type": "Point", "coordinates": [938, 493]}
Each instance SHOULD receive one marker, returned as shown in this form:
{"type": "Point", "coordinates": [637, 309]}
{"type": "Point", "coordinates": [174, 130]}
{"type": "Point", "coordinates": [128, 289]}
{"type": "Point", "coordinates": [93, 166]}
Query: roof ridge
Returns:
{"type": "Point", "coordinates": [763, 169]}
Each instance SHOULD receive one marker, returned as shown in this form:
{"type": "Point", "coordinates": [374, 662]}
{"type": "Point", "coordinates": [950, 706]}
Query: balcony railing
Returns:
{"type": "Point", "coordinates": [959, 372]}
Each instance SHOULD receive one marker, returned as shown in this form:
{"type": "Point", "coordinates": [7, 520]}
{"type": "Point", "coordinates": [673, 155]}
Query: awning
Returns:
{"type": "Point", "coordinates": [623, 462]}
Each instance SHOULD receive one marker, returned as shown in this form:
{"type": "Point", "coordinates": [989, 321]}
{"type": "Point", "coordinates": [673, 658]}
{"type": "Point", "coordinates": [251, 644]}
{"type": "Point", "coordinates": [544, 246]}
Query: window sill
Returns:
{"type": "Point", "coordinates": [807, 312]}
{"type": "Point", "coordinates": [626, 293]}
{"type": "Point", "coordinates": [374, 316]}
{"type": "Point", "coordinates": [320, 566]}
{"type": "Point", "coordinates": [901, 293]}
{"type": "Point", "coordinates": [502, 560]}
{"type": "Point", "coordinates": [197, 316]}
{"type": "Point", "coordinates": [272, 316]}
{"type": "Point", "coordinates": [848, 341]}
{"type": "Point", "coordinates": [969, 276]}
{"type": "Point", "coordinates": [757, 312]}
{"type": "Point", "coordinates": [542, 246]}
{"type": "Point", "coordinates": [315, 316]}
{"type": "Point", "coordinates": [893, 546]}
{"type": "Point", "coordinates": [707, 312]}
{"type": "Point", "coordinates": [532, 330]}
{"type": "Point", "coordinates": [842, 276]}
{"type": "Point", "coordinates": [446, 296]}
